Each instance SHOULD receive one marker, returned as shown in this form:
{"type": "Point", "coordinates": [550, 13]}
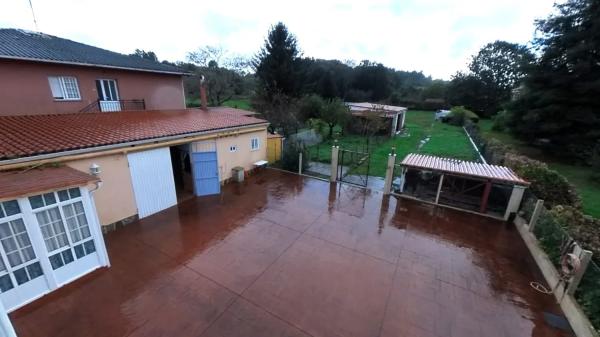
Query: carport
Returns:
{"type": "Point", "coordinates": [477, 187]}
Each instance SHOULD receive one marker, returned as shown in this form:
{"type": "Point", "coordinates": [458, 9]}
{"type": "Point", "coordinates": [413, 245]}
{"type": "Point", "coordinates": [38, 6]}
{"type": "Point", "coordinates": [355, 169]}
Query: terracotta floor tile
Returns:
{"type": "Point", "coordinates": [244, 254]}
{"type": "Point", "coordinates": [325, 289]}
{"type": "Point", "coordinates": [367, 265]}
{"type": "Point", "coordinates": [246, 319]}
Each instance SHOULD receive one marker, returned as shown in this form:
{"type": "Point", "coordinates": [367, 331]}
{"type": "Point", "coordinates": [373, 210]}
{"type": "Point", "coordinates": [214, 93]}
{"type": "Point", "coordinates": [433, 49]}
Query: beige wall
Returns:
{"type": "Point", "coordinates": [243, 156]}
{"type": "Point", "coordinates": [114, 200]}
{"type": "Point", "coordinates": [24, 88]}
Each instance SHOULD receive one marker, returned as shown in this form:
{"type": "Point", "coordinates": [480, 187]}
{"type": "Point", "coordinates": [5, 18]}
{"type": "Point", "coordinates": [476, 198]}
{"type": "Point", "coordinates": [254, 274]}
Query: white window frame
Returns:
{"type": "Point", "coordinates": [70, 243]}
{"type": "Point", "coordinates": [252, 141]}
{"type": "Point", "coordinates": [8, 269]}
{"type": "Point", "coordinates": [233, 148]}
{"type": "Point", "coordinates": [58, 88]}
{"type": "Point", "coordinates": [116, 93]}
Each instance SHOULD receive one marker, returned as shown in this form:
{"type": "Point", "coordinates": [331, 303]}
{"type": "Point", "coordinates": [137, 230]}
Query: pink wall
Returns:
{"type": "Point", "coordinates": [24, 88]}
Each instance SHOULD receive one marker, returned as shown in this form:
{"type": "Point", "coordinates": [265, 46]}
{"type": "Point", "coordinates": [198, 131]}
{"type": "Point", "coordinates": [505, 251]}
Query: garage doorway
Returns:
{"type": "Point", "coordinates": [181, 163]}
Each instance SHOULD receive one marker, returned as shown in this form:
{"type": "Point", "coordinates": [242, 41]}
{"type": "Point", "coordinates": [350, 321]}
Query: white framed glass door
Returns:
{"type": "Point", "coordinates": [65, 229]}
{"type": "Point", "coordinates": [108, 94]}
{"type": "Point", "coordinates": [21, 274]}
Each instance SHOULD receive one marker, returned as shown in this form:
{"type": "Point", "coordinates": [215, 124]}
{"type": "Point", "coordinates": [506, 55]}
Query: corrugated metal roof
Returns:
{"type": "Point", "coordinates": [464, 168]}
{"type": "Point", "coordinates": [36, 46]}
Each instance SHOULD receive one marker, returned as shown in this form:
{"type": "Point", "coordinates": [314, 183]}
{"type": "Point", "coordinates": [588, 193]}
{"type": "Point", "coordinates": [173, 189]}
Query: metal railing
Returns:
{"type": "Point", "coordinates": [119, 105]}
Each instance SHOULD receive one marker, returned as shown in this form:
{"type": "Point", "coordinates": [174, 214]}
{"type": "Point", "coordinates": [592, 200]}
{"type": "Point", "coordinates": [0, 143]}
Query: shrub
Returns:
{"type": "Point", "coordinates": [290, 157]}
{"type": "Point", "coordinates": [499, 121]}
{"type": "Point", "coordinates": [459, 115]}
{"type": "Point", "coordinates": [546, 184]}
{"type": "Point", "coordinates": [584, 229]}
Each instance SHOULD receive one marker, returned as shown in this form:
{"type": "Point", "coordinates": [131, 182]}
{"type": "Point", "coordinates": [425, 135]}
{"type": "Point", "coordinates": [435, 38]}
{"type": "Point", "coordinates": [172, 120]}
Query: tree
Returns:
{"type": "Point", "coordinates": [500, 67]}
{"type": "Point", "coordinates": [494, 73]}
{"type": "Point", "coordinates": [334, 112]}
{"type": "Point", "coordinates": [204, 55]}
{"type": "Point", "coordinates": [147, 55]}
{"type": "Point", "coordinates": [276, 64]}
{"type": "Point", "coordinates": [559, 99]}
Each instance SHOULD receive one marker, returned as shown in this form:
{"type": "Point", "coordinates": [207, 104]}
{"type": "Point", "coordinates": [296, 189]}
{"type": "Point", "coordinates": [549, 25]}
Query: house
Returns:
{"type": "Point", "coordinates": [393, 116]}
{"type": "Point", "coordinates": [68, 174]}
{"type": "Point", "coordinates": [44, 74]}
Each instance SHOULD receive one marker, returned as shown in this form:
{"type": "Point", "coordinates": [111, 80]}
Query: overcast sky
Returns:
{"type": "Point", "coordinates": [435, 36]}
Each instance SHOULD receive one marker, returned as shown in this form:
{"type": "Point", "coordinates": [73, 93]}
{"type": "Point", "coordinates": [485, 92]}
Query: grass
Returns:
{"type": "Point", "coordinates": [445, 140]}
{"type": "Point", "coordinates": [238, 103]}
{"type": "Point", "coordinates": [580, 176]}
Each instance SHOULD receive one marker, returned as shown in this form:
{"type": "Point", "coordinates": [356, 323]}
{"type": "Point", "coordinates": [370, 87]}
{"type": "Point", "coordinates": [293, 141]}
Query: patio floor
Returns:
{"type": "Point", "coordinates": [284, 255]}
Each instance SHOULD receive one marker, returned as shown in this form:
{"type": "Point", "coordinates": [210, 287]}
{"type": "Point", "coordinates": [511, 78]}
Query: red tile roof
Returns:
{"type": "Point", "coordinates": [22, 136]}
{"type": "Point", "coordinates": [464, 168]}
{"type": "Point", "coordinates": [21, 183]}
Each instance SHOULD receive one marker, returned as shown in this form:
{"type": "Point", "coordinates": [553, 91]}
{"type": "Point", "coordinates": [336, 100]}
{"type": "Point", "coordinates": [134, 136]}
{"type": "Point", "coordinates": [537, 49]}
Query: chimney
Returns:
{"type": "Point", "coordinates": [203, 101]}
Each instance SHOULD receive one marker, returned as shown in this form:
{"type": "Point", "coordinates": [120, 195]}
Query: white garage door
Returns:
{"type": "Point", "coordinates": [152, 179]}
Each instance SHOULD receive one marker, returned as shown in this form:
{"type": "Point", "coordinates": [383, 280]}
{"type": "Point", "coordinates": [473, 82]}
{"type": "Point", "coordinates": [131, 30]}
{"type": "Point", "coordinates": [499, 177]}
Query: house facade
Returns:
{"type": "Point", "coordinates": [69, 172]}
{"type": "Point", "coordinates": [63, 76]}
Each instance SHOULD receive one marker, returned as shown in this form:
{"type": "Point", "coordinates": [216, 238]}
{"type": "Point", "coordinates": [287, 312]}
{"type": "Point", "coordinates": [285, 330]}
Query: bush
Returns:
{"type": "Point", "coordinates": [546, 184]}
{"type": "Point", "coordinates": [499, 122]}
{"type": "Point", "coordinates": [584, 229]}
{"type": "Point", "coordinates": [459, 115]}
{"type": "Point", "coordinates": [290, 157]}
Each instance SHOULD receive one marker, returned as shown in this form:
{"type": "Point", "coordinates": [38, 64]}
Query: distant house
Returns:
{"type": "Point", "coordinates": [76, 159]}
{"type": "Point", "coordinates": [44, 74]}
{"type": "Point", "coordinates": [393, 116]}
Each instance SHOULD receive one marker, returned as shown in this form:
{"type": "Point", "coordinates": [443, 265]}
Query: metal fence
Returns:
{"type": "Point", "coordinates": [552, 236]}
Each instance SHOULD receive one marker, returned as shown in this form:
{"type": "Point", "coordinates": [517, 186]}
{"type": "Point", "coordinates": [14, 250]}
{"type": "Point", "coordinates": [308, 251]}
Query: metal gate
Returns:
{"type": "Point", "coordinates": [353, 167]}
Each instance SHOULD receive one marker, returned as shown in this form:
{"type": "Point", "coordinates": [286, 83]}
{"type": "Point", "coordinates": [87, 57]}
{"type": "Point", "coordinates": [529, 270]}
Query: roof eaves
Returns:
{"type": "Point", "coordinates": [33, 59]}
{"type": "Point", "coordinates": [105, 147]}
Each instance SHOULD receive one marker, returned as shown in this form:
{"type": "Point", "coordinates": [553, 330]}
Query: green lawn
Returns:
{"type": "Point", "coordinates": [578, 175]}
{"type": "Point", "coordinates": [239, 103]}
{"type": "Point", "coordinates": [445, 140]}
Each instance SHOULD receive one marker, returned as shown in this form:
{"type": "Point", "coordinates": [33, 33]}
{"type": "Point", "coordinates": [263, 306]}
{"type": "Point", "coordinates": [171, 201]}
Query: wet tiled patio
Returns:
{"type": "Point", "coordinates": [284, 255]}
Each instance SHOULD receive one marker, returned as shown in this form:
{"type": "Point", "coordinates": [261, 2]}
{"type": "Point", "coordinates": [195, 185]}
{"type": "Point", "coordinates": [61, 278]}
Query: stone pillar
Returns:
{"type": "Point", "coordinates": [335, 151]}
{"type": "Point", "coordinates": [389, 173]}
{"type": "Point", "coordinates": [536, 214]}
{"type": "Point", "coordinates": [584, 256]}
{"type": "Point", "coordinates": [300, 163]}
{"type": "Point", "coordinates": [515, 200]}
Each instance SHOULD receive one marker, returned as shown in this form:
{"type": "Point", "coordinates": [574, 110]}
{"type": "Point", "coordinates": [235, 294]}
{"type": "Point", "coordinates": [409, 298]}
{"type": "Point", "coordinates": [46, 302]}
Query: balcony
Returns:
{"type": "Point", "coordinates": [118, 105]}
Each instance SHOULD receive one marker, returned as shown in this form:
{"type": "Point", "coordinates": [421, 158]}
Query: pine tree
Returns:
{"type": "Point", "coordinates": [560, 99]}
{"type": "Point", "coordinates": [276, 64]}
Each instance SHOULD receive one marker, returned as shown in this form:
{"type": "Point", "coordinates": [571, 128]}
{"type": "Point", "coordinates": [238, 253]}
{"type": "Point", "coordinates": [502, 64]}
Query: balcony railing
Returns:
{"type": "Point", "coordinates": [120, 105]}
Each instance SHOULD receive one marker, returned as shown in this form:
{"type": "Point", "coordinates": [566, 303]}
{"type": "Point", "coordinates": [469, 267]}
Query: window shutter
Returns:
{"type": "Point", "coordinates": [56, 88]}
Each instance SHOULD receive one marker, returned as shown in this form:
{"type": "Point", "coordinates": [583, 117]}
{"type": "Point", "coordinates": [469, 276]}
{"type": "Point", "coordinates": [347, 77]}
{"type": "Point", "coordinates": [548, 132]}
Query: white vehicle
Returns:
{"type": "Point", "coordinates": [440, 114]}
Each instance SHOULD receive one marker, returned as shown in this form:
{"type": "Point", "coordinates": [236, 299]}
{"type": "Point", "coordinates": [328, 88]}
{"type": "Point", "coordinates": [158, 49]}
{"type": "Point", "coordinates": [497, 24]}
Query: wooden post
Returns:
{"type": "Point", "coordinates": [300, 163]}
{"type": "Point", "coordinates": [536, 214]}
{"type": "Point", "coordinates": [584, 256]}
{"type": "Point", "coordinates": [485, 197]}
{"type": "Point", "coordinates": [389, 174]}
{"type": "Point", "coordinates": [439, 190]}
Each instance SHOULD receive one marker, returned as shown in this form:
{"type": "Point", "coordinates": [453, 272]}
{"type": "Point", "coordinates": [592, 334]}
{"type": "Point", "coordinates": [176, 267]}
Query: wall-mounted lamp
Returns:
{"type": "Point", "coordinates": [95, 169]}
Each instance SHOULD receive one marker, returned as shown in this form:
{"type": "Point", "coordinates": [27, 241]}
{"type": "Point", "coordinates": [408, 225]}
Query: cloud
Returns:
{"type": "Point", "coordinates": [435, 36]}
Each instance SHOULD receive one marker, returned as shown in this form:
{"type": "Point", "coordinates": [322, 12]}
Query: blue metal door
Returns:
{"type": "Point", "coordinates": [206, 169]}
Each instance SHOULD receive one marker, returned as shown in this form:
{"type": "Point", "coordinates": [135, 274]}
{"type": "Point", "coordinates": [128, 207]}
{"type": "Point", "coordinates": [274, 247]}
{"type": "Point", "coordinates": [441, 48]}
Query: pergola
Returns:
{"type": "Point", "coordinates": [464, 179]}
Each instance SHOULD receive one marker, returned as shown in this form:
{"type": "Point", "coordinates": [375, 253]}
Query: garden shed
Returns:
{"type": "Point", "coordinates": [391, 117]}
{"type": "Point", "coordinates": [478, 187]}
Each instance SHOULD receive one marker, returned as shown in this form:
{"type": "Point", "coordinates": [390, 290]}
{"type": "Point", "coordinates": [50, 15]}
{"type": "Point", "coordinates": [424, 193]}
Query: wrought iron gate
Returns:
{"type": "Point", "coordinates": [353, 167]}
